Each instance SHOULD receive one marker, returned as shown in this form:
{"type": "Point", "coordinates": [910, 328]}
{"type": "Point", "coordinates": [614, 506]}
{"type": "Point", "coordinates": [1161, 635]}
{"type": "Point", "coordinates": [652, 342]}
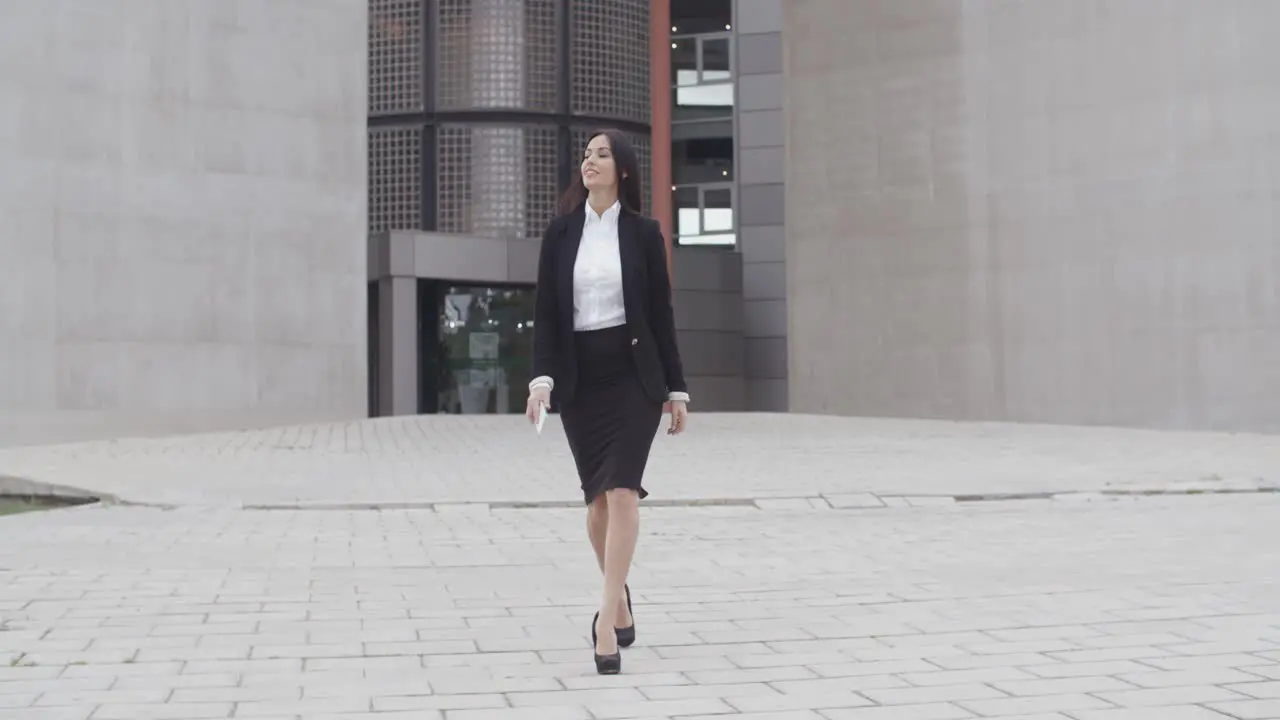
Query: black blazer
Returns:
{"type": "Point", "coordinates": [646, 294]}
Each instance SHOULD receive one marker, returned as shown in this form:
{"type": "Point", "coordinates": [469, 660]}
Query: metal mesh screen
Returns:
{"type": "Point", "coordinates": [610, 58]}
{"type": "Point", "coordinates": [496, 180]}
{"type": "Point", "coordinates": [395, 179]}
{"type": "Point", "coordinates": [644, 157]}
{"type": "Point", "coordinates": [395, 56]}
{"type": "Point", "coordinates": [496, 54]}
{"type": "Point", "coordinates": [453, 173]}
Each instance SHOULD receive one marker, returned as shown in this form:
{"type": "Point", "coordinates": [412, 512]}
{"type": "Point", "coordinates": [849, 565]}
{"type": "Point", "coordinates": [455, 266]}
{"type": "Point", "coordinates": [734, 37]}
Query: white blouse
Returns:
{"type": "Point", "coordinates": [597, 281]}
{"type": "Point", "coordinates": [597, 273]}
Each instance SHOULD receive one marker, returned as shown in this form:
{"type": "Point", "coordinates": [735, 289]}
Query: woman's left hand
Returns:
{"type": "Point", "coordinates": [679, 417]}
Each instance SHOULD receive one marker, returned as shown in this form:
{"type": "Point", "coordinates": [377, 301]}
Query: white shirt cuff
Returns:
{"type": "Point", "coordinates": [678, 396]}
{"type": "Point", "coordinates": [542, 381]}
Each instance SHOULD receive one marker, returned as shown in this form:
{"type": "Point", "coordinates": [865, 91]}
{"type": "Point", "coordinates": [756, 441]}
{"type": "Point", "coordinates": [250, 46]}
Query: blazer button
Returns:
{"type": "Point", "coordinates": [635, 341]}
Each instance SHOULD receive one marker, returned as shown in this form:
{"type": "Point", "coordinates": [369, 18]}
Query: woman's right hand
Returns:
{"type": "Point", "coordinates": [537, 397]}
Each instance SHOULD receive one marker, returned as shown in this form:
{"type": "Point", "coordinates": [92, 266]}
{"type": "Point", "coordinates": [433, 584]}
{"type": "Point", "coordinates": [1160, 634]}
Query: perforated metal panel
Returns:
{"type": "Point", "coordinates": [644, 157]}
{"type": "Point", "coordinates": [395, 56]}
{"type": "Point", "coordinates": [609, 51]}
{"type": "Point", "coordinates": [542, 174]}
{"type": "Point", "coordinates": [497, 54]}
{"type": "Point", "coordinates": [395, 179]}
{"type": "Point", "coordinates": [496, 180]}
{"type": "Point", "coordinates": [453, 173]}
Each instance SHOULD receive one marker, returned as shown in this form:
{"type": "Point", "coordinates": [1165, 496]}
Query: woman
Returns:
{"type": "Point", "coordinates": [605, 343]}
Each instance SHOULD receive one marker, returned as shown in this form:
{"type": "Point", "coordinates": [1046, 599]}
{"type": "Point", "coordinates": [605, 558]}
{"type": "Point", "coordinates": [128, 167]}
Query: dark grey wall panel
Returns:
{"type": "Point", "coordinates": [712, 269]}
{"type": "Point", "coordinates": [766, 357]}
{"type": "Point", "coordinates": [764, 318]}
{"type": "Point", "coordinates": [763, 204]}
{"type": "Point", "coordinates": [760, 54]}
{"type": "Point", "coordinates": [758, 16]}
{"type": "Point", "coordinates": [763, 165]}
{"type": "Point", "coordinates": [760, 128]}
{"type": "Point", "coordinates": [717, 394]}
{"type": "Point", "coordinates": [707, 295]}
{"type": "Point", "coordinates": [709, 353]}
{"type": "Point", "coordinates": [761, 174]}
{"type": "Point", "coordinates": [763, 243]}
{"type": "Point", "coordinates": [765, 281]}
{"type": "Point", "coordinates": [760, 92]}
{"type": "Point", "coordinates": [708, 310]}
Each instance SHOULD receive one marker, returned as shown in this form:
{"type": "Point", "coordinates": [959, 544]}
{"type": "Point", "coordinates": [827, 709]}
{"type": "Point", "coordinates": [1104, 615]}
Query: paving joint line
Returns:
{"type": "Point", "coordinates": [14, 487]}
{"type": "Point", "coordinates": [885, 501]}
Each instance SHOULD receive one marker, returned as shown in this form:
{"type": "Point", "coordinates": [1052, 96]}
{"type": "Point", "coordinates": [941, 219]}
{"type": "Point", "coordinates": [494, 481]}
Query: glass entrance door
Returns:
{"type": "Point", "coordinates": [485, 348]}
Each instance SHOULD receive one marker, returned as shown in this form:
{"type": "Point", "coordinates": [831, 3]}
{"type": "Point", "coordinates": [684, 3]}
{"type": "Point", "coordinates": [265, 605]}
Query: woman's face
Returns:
{"type": "Point", "coordinates": [599, 172]}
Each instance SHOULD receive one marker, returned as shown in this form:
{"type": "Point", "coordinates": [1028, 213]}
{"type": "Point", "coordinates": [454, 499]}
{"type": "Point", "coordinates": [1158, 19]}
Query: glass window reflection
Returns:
{"type": "Point", "coordinates": [702, 86]}
{"type": "Point", "coordinates": [485, 349]}
{"type": "Point", "coordinates": [715, 60]}
{"type": "Point", "coordinates": [702, 159]}
{"type": "Point", "coordinates": [701, 16]}
{"type": "Point", "coordinates": [684, 61]}
{"type": "Point", "coordinates": [717, 213]}
{"type": "Point", "coordinates": [704, 214]}
{"type": "Point", "coordinates": [688, 214]}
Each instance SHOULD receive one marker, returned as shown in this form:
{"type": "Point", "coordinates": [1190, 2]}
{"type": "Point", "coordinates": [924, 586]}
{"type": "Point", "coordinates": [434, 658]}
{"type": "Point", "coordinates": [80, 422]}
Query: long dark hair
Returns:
{"type": "Point", "coordinates": [628, 171]}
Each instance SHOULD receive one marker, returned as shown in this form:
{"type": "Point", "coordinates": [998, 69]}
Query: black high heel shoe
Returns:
{"type": "Point", "coordinates": [627, 635]}
{"type": "Point", "coordinates": [605, 664]}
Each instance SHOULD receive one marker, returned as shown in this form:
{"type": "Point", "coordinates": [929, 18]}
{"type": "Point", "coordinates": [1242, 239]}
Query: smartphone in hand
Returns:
{"type": "Point", "coordinates": [542, 417]}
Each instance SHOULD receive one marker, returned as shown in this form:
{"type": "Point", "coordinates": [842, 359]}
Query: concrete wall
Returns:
{"type": "Point", "coordinates": [182, 210]}
{"type": "Point", "coordinates": [707, 299]}
{"type": "Point", "coordinates": [760, 201]}
{"type": "Point", "coordinates": [1056, 211]}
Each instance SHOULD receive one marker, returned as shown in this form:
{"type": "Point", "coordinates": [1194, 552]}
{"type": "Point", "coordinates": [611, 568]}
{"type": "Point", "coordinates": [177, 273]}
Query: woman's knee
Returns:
{"type": "Point", "coordinates": [599, 505]}
{"type": "Point", "coordinates": [622, 498]}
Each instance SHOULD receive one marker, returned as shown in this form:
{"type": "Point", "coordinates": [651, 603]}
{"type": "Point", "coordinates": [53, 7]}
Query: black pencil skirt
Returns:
{"type": "Point", "coordinates": [611, 422]}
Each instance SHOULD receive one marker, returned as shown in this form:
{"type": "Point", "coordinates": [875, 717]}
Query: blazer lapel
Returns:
{"type": "Point", "coordinates": [572, 241]}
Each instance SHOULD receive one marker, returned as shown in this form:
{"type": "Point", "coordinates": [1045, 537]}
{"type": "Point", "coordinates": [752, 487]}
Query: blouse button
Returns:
{"type": "Point", "coordinates": [635, 340]}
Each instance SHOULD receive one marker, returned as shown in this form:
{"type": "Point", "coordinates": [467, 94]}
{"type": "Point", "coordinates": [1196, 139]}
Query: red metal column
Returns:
{"type": "Point", "coordinates": [660, 116]}
{"type": "Point", "coordinates": [660, 123]}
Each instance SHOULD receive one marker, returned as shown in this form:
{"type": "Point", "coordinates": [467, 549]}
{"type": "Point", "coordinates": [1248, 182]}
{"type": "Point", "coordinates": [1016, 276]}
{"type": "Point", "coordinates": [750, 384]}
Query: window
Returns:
{"type": "Point", "coordinates": [702, 159]}
{"type": "Point", "coordinates": [701, 77]}
{"type": "Point", "coordinates": [716, 65]}
{"type": "Point", "coordinates": [482, 357]}
{"type": "Point", "coordinates": [702, 147]}
{"type": "Point", "coordinates": [704, 214]}
{"type": "Point", "coordinates": [693, 17]}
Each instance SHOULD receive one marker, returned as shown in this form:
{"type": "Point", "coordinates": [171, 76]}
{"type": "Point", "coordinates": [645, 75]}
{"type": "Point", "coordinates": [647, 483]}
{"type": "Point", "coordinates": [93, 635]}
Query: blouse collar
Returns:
{"type": "Point", "coordinates": [610, 215]}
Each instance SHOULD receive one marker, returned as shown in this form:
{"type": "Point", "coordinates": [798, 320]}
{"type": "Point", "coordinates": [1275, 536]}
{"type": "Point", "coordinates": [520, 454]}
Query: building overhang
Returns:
{"type": "Point", "coordinates": [466, 259]}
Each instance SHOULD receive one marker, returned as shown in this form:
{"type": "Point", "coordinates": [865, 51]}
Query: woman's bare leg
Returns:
{"type": "Point", "coordinates": [597, 531]}
{"type": "Point", "coordinates": [598, 526]}
{"type": "Point", "coordinates": [620, 547]}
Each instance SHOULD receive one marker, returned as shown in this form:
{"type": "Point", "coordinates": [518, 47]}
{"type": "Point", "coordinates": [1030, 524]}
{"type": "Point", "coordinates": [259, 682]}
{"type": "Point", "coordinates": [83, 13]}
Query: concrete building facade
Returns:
{"type": "Point", "coordinates": [183, 206]}
{"type": "Point", "coordinates": [1061, 211]}
{"type": "Point", "coordinates": [1052, 211]}
{"type": "Point", "coordinates": [479, 110]}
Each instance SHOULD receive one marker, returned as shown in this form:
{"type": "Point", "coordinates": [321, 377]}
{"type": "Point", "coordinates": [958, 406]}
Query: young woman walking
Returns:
{"type": "Point", "coordinates": [605, 343]}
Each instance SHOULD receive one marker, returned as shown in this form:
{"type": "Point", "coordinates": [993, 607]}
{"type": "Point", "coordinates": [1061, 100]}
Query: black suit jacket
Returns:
{"type": "Point", "coordinates": [646, 291]}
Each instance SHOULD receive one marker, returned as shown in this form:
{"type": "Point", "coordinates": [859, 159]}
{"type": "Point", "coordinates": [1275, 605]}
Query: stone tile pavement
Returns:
{"type": "Point", "coordinates": [1126, 609]}
{"type": "Point", "coordinates": [848, 461]}
{"type": "Point", "coordinates": [388, 570]}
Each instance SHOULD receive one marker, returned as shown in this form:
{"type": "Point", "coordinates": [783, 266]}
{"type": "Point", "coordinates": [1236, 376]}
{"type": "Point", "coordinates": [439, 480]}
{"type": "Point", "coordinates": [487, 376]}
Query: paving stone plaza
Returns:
{"type": "Point", "coordinates": [790, 568]}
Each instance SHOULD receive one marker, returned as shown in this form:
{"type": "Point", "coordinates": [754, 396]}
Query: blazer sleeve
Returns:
{"type": "Point", "coordinates": [545, 312]}
{"type": "Point", "coordinates": [661, 315]}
